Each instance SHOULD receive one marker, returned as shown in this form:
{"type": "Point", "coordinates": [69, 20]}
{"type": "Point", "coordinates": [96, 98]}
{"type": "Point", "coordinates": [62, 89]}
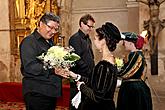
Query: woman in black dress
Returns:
{"type": "Point", "coordinates": [99, 89]}
{"type": "Point", "coordinates": [133, 94]}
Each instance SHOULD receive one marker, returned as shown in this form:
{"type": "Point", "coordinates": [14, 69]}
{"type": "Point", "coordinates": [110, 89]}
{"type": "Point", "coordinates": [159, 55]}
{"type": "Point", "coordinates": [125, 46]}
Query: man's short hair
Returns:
{"type": "Point", "coordinates": [49, 16]}
{"type": "Point", "coordinates": [85, 19]}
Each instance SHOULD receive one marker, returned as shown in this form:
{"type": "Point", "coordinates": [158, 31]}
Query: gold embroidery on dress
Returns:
{"type": "Point", "coordinates": [135, 68]}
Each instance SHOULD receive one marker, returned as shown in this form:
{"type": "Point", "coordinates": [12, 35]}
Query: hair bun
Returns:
{"type": "Point", "coordinates": [112, 31]}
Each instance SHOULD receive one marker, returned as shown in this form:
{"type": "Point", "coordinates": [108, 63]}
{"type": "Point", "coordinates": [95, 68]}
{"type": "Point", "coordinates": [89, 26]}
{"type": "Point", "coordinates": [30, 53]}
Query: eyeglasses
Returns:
{"type": "Point", "coordinates": [90, 26]}
{"type": "Point", "coordinates": [52, 28]}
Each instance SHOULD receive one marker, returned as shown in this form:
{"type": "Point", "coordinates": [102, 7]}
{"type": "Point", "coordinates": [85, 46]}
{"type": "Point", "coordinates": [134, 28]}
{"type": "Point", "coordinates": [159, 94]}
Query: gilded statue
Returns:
{"type": "Point", "coordinates": [34, 10]}
{"type": "Point", "coordinates": [30, 10]}
{"type": "Point", "coordinates": [54, 7]}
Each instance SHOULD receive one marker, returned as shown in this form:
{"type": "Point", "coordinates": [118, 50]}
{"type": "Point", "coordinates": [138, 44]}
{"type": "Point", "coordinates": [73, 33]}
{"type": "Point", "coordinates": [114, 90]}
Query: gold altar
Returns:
{"type": "Point", "coordinates": [23, 18]}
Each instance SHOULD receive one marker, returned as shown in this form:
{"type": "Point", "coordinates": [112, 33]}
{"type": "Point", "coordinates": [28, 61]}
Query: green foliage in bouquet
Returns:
{"type": "Point", "coordinates": [72, 57]}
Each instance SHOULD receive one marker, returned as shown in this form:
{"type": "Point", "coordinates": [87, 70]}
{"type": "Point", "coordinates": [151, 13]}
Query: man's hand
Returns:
{"type": "Point", "coordinates": [73, 75]}
{"type": "Point", "coordinates": [62, 72]}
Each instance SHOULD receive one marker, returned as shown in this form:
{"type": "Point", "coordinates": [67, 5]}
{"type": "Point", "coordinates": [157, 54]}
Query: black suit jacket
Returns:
{"type": "Point", "coordinates": [35, 77]}
{"type": "Point", "coordinates": [83, 47]}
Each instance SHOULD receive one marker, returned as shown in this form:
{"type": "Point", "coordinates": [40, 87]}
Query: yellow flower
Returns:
{"type": "Point", "coordinates": [119, 62]}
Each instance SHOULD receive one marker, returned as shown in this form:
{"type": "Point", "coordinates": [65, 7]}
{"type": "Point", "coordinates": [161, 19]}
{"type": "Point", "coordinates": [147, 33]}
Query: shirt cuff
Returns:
{"type": "Point", "coordinates": [78, 86]}
{"type": "Point", "coordinates": [78, 77]}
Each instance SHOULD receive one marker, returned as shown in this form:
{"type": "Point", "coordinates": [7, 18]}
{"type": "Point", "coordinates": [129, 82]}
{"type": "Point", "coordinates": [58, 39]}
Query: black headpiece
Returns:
{"type": "Point", "coordinates": [111, 31]}
{"type": "Point", "coordinates": [129, 36]}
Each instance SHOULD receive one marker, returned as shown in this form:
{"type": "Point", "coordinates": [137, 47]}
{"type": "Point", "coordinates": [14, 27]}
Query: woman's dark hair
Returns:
{"type": "Point", "coordinates": [111, 34]}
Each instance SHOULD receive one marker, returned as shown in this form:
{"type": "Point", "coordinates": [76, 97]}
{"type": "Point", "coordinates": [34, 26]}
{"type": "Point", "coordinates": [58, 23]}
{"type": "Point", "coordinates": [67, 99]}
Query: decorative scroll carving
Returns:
{"type": "Point", "coordinates": [54, 7]}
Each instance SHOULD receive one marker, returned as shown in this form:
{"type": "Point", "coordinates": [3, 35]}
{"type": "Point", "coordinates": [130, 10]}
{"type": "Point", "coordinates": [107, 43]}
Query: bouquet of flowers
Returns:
{"type": "Point", "coordinates": [58, 56]}
{"type": "Point", "coordinates": [119, 63]}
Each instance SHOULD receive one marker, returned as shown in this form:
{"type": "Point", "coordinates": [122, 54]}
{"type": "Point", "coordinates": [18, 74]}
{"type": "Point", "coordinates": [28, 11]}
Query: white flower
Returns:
{"type": "Point", "coordinates": [58, 56]}
{"type": "Point", "coordinates": [57, 51]}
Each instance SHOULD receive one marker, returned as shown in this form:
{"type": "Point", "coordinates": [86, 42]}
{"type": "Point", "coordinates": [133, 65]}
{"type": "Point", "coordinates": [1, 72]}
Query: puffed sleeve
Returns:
{"type": "Point", "coordinates": [102, 82]}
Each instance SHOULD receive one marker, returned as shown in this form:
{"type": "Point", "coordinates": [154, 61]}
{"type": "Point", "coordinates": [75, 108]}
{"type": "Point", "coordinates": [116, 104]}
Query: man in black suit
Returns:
{"type": "Point", "coordinates": [82, 44]}
{"type": "Point", "coordinates": [41, 87]}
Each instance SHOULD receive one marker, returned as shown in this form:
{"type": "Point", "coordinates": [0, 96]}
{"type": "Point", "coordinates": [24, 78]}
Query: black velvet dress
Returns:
{"type": "Point", "coordinates": [134, 94]}
{"type": "Point", "coordinates": [99, 90]}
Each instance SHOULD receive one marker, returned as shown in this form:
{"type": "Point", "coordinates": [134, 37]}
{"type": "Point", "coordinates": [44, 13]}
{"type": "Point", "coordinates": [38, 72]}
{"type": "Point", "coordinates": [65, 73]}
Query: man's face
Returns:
{"type": "Point", "coordinates": [87, 28]}
{"type": "Point", "coordinates": [48, 30]}
{"type": "Point", "coordinates": [127, 45]}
